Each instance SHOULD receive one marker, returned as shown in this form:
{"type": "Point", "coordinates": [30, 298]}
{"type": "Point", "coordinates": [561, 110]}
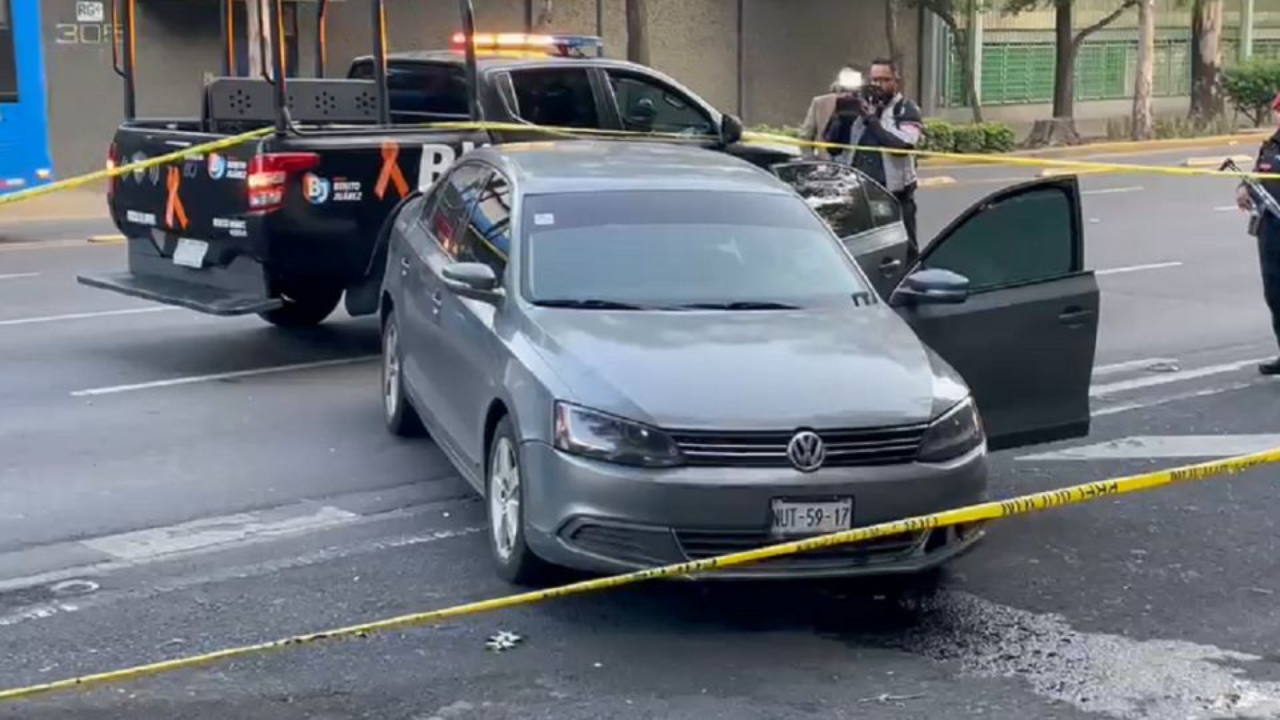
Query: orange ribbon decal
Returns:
{"type": "Point", "coordinates": [174, 205]}
{"type": "Point", "coordinates": [391, 171]}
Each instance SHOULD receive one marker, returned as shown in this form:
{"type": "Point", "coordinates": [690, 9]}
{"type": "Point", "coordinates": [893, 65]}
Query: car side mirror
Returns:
{"type": "Point", "coordinates": [731, 130]}
{"type": "Point", "coordinates": [932, 287]}
{"type": "Point", "coordinates": [473, 280]}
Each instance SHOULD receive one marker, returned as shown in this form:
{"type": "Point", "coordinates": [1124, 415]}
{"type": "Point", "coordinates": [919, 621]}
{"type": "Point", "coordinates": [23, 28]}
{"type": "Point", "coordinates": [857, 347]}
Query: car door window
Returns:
{"type": "Point", "coordinates": [555, 97]}
{"type": "Point", "coordinates": [646, 104]}
{"type": "Point", "coordinates": [488, 236]}
{"type": "Point", "coordinates": [1023, 238]}
{"type": "Point", "coordinates": [457, 198]}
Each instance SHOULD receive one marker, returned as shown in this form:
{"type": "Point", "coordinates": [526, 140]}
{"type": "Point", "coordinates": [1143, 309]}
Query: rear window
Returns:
{"type": "Point", "coordinates": [421, 91]}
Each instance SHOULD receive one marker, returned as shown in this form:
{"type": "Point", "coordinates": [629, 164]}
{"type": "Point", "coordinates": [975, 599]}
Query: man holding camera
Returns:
{"type": "Point", "coordinates": [878, 116]}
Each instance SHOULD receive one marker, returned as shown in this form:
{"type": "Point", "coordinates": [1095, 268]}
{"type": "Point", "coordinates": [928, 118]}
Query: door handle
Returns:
{"type": "Point", "coordinates": [1075, 316]}
{"type": "Point", "coordinates": [889, 265]}
{"type": "Point", "coordinates": [437, 298]}
{"type": "Point", "coordinates": [404, 265]}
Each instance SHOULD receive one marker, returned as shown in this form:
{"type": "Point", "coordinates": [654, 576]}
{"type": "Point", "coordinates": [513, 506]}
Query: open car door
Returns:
{"type": "Point", "coordinates": [867, 219]}
{"type": "Point", "coordinates": [1003, 296]}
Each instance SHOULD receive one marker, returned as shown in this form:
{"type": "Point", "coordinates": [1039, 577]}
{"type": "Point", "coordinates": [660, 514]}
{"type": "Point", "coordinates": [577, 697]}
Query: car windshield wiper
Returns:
{"type": "Point", "coordinates": [588, 304]}
{"type": "Point", "coordinates": [740, 305]}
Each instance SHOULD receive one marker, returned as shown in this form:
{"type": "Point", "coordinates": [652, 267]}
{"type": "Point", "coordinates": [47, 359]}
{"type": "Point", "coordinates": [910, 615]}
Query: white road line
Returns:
{"type": "Point", "coordinates": [18, 276]}
{"type": "Point", "coordinates": [220, 376]}
{"type": "Point", "coordinates": [1139, 268]}
{"type": "Point", "coordinates": [1227, 208]}
{"type": "Point", "coordinates": [213, 531]}
{"type": "Point", "coordinates": [1165, 446]}
{"type": "Point", "coordinates": [1120, 367]}
{"type": "Point", "coordinates": [1173, 377]}
{"type": "Point", "coordinates": [83, 316]}
{"type": "Point", "coordinates": [1112, 191]}
{"type": "Point", "coordinates": [1177, 397]}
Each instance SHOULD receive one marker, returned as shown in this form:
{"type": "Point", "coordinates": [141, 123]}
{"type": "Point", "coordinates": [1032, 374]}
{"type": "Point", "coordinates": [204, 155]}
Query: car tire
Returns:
{"type": "Point", "coordinates": [401, 417]}
{"type": "Point", "coordinates": [504, 501]}
{"type": "Point", "coordinates": [304, 309]}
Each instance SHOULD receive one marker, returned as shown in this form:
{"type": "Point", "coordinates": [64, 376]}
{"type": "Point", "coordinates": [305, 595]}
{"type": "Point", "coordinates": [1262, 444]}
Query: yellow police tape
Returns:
{"type": "Point", "coordinates": [571, 132]}
{"type": "Point", "coordinates": [994, 510]}
{"type": "Point", "coordinates": [119, 170]}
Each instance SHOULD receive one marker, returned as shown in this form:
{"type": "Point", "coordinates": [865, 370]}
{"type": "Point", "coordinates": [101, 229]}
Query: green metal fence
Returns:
{"type": "Point", "coordinates": [1022, 73]}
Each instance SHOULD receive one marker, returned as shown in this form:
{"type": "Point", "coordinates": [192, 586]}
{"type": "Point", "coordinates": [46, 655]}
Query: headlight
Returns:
{"type": "Point", "coordinates": [957, 432]}
{"type": "Point", "coordinates": [604, 437]}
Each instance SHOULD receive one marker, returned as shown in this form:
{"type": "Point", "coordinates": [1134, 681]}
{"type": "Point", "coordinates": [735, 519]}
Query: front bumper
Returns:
{"type": "Point", "coordinates": [605, 518]}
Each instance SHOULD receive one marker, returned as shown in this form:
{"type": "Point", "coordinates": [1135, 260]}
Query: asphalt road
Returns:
{"type": "Point", "coordinates": [172, 484]}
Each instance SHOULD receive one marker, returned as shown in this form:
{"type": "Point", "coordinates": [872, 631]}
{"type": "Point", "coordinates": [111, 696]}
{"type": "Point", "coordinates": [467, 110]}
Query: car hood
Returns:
{"type": "Point", "coordinates": [742, 370]}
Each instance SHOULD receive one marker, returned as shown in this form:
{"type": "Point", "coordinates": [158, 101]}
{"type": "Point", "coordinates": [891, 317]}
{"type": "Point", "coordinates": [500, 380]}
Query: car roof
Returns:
{"type": "Point", "coordinates": [566, 166]}
{"type": "Point", "coordinates": [485, 61]}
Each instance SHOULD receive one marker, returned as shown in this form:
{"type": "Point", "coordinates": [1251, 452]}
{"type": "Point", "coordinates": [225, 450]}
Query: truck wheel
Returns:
{"type": "Point", "coordinates": [304, 309]}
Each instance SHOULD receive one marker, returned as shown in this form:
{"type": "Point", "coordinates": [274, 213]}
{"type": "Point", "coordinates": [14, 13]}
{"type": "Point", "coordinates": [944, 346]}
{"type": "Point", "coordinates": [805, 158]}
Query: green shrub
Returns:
{"type": "Point", "coordinates": [970, 139]}
{"type": "Point", "coordinates": [998, 138]}
{"type": "Point", "coordinates": [939, 136]}
{"type": "Point", "coordinates": [1251, 86]}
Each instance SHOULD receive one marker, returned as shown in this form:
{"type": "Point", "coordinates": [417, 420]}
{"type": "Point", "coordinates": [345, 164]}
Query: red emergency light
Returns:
{"type": "Point", "coordinates": [527, 43]}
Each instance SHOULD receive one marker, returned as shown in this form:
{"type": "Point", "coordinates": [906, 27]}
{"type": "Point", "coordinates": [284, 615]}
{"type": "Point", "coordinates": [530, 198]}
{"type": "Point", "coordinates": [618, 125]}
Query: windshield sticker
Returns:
{"type": "Point", "coordinates": [544, 219]}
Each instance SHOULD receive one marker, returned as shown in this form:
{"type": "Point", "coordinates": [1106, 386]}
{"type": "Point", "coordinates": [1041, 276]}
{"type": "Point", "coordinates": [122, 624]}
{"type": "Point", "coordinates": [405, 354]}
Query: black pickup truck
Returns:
{"type": "Point", "coordinates": [287, 225]}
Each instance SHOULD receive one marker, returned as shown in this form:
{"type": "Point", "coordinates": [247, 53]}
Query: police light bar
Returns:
{"type": "Point", "coordinates": [564, 45]}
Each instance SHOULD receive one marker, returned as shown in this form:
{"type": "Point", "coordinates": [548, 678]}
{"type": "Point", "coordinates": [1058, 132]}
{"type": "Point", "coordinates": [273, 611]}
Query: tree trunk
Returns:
{"type": "Point", "coordinates": [961, 49]}
{"type": "Point", "coordinates": [1142, 121]}
{"type": "Point", "coordinates": [1064, 89]}
{"type": "Point", "coordinates": [1206, 60]}
{"type": "Point", "coordinates": [891, 36]}
{"type": "Point", "coordinates": [546, 16]}
{"type": "Point", "coordinates": [637, 31]}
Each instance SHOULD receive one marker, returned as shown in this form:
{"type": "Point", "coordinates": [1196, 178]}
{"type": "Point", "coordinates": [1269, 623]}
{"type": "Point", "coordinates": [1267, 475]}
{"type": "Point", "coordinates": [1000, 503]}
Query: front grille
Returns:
{"type": "Point", "coordinates": [698, 545]}
{"type": "Point", "coordinates": [845, 448]}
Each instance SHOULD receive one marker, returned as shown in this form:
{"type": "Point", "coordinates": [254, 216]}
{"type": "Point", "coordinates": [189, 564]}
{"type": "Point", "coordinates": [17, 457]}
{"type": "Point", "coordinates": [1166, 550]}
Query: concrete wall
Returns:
{"type": "Point", "coordinates": [795, 49]}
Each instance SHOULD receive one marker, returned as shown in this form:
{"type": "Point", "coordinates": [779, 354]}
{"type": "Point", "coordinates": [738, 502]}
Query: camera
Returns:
{"type": "Point", "coordinates": [852, 91]}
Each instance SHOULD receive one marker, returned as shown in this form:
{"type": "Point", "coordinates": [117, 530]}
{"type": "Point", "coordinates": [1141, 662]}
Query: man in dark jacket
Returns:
{"type": "Point", "coordinates": [1267, 229]}
{"type": "Point", "coordinates": [882, 117]}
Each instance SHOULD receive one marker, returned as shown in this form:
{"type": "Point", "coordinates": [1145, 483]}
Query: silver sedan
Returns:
{"type": "Point", "coordinates": [641, 353]}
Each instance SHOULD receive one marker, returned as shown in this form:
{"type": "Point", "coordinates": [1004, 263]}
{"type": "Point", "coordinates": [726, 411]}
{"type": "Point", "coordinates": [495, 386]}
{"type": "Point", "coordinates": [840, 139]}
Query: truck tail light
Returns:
{"type": "Point", "coordinates": [269, 174]}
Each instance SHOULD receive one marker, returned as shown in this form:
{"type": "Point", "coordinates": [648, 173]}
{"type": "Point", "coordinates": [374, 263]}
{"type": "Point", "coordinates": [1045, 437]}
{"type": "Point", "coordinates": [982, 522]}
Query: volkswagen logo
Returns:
{"type": "Point", "coordinates": [806, 451]}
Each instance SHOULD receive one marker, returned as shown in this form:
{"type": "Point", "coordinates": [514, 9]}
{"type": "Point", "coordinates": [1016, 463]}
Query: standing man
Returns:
{"type": "Point", "coordinates": [823, 107]}
{"type": "Point", "coordinates": [880, 117]}
{"type": "Point", "coordinates": [1267, 229]}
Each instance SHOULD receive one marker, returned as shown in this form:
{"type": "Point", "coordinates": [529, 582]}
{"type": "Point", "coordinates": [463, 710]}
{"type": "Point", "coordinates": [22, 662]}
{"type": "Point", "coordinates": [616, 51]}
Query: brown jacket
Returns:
{"type": "Point", "coordinates": [815, 121]}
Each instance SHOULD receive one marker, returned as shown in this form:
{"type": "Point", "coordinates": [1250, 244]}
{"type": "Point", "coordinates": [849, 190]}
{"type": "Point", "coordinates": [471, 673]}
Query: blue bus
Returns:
{"type": "Point", "coordinates": [24, 114]}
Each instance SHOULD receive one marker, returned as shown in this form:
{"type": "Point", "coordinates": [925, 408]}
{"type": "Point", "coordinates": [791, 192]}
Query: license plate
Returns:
{"type": "Point", "coordinates": [190, 253]}
{"type": "Point", "coordinates": [811, 517]}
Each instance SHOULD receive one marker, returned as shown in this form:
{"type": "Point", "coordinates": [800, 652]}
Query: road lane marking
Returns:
{"type": "Point", "coordinates": [18, 276]}
{"type": "Point", "coordinates": [1141, 364]}
{"type": "Point", "coordinates": [1113, 191]}
{"type": "Point", "coordinates": [83, 316]}
{"type": "Point", "coordinates": [1139, 268]}
{"type": "Point", "coordinates": [42, 244]}
{"type": "Point", "coordinates": [192, 379]}
{"type": "Point", "coordinates": [1177, 397]}
{"type": "Point", "coordinates": [1173, 377]}
{"type": "Point", "coordinates": [214, 531]}
{"type": "Point", "coordinates": [1164, 446]}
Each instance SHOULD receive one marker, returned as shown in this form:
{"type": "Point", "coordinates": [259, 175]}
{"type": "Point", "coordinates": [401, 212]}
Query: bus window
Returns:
{"type": "Point", "coordinates": [8, 57]}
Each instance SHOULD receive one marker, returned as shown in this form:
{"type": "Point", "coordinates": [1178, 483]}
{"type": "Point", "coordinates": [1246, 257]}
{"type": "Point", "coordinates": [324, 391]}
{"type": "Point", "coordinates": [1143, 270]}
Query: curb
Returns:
{"type": "Point", "coordinates": [1215, 161]}
{"type": "Point", "coordinates": [1099, 148]}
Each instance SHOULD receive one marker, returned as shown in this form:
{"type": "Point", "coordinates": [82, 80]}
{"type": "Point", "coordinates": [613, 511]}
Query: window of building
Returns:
{"type": "Point", "coordinates": [8, 56]}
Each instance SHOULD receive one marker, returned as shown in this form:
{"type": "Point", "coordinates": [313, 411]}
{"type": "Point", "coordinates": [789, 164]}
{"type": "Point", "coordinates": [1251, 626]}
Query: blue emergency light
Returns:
{"type": "Point", "coordinates": [526, 43]}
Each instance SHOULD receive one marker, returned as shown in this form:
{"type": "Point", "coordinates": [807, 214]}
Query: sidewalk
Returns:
{"type": "Point", "coordinates": [78, 204]}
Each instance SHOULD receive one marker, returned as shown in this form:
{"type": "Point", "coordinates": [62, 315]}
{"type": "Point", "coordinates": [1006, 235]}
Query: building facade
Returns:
{"type": "Point", "coordinates": [760, 59]}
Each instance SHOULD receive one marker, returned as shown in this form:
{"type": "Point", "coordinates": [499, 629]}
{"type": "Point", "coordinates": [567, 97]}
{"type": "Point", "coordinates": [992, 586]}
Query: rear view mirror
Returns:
{"type": "Point", "coordinates": [473, 280]}
{"type": "Point", "coordinates": [731, 130]}
{"type": "Point", "coordinates": [932, 287]}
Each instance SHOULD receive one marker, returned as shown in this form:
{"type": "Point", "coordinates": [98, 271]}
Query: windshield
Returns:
{"type": "Point", "coordinates": [669, 248]}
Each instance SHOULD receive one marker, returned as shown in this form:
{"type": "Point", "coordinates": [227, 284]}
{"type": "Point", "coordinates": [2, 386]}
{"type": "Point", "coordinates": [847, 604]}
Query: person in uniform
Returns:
{"type": "Point", "coordinates": [1267, 229]}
